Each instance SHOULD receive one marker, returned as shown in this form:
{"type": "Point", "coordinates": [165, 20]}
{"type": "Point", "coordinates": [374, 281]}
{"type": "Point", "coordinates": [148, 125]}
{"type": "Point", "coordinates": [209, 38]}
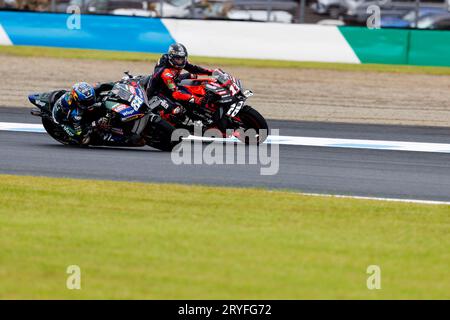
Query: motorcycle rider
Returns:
{"type": "Point", "coordinates": [69, 109]}
{"type": "Point", "coordinates": [167, 74]}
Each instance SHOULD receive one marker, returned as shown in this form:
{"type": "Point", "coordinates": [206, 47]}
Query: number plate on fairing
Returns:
{"type": "Point", "coordinates": [235, 108]}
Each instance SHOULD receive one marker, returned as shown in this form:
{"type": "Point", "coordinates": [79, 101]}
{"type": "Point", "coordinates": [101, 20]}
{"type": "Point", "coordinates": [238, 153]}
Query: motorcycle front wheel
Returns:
{"type": "Point", "coordinates": [253, 126]}
{"type": "Point", "coordinates": [55, 132]}
{"type": "Point", "coordinates": [159, 135]}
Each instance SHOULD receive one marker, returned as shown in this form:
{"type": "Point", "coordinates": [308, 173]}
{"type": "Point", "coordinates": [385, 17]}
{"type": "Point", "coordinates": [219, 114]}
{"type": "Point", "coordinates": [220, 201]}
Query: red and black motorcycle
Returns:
{"type": "Point", "coordinates": [224, 108]}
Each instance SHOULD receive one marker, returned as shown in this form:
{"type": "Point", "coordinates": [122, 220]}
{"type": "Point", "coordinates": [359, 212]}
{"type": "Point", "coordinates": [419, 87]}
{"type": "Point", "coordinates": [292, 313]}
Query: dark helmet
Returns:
{"type": "Point", "coordinates": [83, 94]}
{"type": "Point", "coordinates": [178, 55]}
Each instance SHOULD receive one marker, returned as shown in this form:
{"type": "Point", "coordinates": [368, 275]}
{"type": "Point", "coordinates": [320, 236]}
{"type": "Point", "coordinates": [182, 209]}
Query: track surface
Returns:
{"type": "Point", "coordinates": [374, 173]}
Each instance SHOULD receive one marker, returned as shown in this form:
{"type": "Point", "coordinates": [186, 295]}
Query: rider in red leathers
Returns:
{"type": "Point", "coordinates": [167, 74]}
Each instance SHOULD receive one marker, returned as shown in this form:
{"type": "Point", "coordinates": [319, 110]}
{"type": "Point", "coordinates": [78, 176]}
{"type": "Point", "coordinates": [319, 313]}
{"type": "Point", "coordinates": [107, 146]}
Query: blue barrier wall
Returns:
{"type": "Point", "coordinates": [97, 32]}
{"type": "Point", "coordinates": [229, 39]}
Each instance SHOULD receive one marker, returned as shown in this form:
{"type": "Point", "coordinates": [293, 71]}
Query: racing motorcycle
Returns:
{"type": "Point", "coordinates": [122, 110]}
{"type": "Point", "coordinates": [224, 108]}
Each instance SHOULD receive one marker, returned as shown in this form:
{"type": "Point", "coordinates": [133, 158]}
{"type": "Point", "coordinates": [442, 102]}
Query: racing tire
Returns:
{"type": "Point", "coordinates": [163, 134]}
{"type": "Point", "coordinates": [252, 119]}
{"type": "Point", "coordinates": [51, 129]}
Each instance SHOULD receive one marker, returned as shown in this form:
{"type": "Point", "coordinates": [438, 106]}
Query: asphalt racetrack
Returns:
{"type": "Point", "coordinates": [311, 169]}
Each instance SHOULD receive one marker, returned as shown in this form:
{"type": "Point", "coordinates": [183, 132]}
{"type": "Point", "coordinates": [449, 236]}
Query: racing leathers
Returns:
{"type": "Point", "coordinates": [68, 115]}
{"type": "Point", "coordinates": [165, 80]}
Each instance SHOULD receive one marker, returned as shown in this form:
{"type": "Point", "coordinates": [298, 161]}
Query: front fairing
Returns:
{"type": "Point", "coordinates": [128, 100]}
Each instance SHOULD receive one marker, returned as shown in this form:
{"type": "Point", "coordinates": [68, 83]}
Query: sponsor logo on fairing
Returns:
{"type": "Point", "coordinates": [132, 90]}
{"type": "Point", "coordinates": [133, 117]}
{"type": "Point", "coordinates": [139, 93]}
{"type": "Point", "coordinates": [128, 112]}
{"type": "Point", "coordinates": [119, 107]}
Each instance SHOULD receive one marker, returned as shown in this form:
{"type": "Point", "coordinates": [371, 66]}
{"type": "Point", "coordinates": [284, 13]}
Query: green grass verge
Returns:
{"type": "Point", "coordinates": [29, 51]}
{"type": "Point", "coordinates": [135, 240]}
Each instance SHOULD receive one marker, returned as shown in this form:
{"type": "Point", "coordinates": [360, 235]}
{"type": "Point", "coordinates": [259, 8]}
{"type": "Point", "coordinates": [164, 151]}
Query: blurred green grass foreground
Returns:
{"type": "Point", "coordinates": [168, 241]}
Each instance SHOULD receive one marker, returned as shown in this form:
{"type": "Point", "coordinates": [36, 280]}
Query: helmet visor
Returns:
{"type": "Point", "coordinates": [86, 103]}
{"type": "Point", "coordinates": [179, 61]}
